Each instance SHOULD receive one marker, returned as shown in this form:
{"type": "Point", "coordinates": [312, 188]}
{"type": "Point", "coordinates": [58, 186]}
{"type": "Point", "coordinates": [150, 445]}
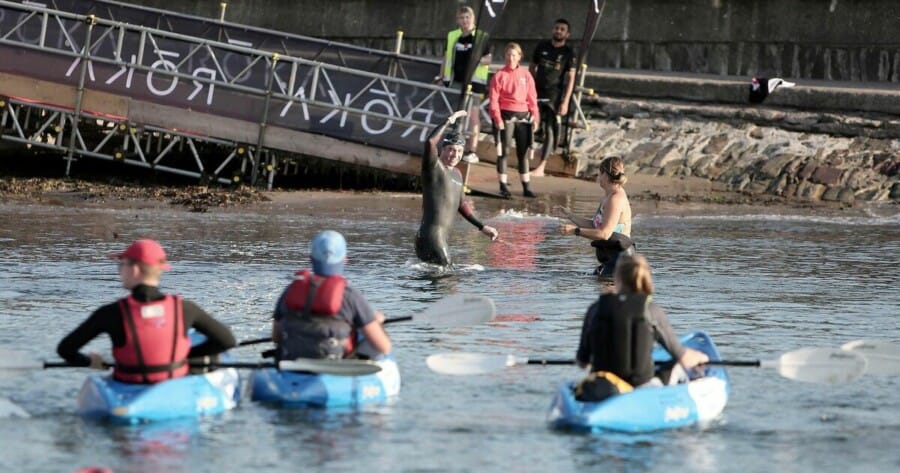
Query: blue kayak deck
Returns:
{"type": "Point", "coordinates": [647, 409]}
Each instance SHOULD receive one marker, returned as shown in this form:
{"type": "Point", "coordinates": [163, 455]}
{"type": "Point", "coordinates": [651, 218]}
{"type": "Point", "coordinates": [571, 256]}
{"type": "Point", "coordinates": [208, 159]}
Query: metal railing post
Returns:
{"type": "Point", "coordinates": [90, 20]}
{"type": "Point", "coordinates": [260, 141]}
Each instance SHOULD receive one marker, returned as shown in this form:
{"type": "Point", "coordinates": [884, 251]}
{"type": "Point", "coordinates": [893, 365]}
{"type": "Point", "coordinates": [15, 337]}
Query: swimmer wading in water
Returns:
{"type": "Point", "coordinates": [442, 193]}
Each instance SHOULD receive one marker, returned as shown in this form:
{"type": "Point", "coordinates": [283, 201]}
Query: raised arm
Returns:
{"type": "Point", "coordinates": [432, 149]}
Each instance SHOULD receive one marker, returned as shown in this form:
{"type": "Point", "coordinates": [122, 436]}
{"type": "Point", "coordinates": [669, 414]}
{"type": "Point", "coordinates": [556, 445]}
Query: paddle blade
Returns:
{"type": "Point", "coordinates": [458, 310]}
{"type": "Point", "coordinates": [882, 356]}
{"type": "Point", "coordinates": [468, 363]}
{"type": "Point", "coordinates": [13, 361]}
{"type": "Point", "coordinates": [334, 367]}
{"type": "Point", "coordinates": [820, 365]}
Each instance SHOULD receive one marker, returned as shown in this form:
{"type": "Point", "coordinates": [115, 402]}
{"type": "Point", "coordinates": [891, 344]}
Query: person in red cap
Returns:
{"type": "Point", "coordinates": [320, 316]}
{"type": "Point", "coordinates": [148, 329]}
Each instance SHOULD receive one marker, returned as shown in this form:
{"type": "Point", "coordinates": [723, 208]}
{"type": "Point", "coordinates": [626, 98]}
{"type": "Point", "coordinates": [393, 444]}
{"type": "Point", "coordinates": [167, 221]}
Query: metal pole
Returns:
{"type": "Point", "coordinates": [397, 48]}
{"type": "Point", "coordinates": [260, 141]}
{"type": "Point", "coordinates": [222, 7]}
{"type": "Point", "coordinates": [90, 20]}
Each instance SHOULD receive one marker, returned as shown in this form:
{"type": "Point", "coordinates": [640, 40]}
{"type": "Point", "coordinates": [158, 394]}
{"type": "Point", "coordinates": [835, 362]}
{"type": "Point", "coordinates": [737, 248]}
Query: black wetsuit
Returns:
{"type": "Point", "coordinates": [108, 319]}
{"type": "Point", "coordinates": [552, 67]}
{"type": "Point", "coordinates": [442, 191]}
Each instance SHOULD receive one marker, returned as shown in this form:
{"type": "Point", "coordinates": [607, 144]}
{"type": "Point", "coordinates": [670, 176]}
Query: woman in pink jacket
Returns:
{"type": "Point", "coordinates": [514, 110]}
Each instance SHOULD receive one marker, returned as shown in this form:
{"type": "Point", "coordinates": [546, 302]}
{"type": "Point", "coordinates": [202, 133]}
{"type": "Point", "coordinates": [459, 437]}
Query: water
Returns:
{"type": "Point", "coordinates": [759, 283]}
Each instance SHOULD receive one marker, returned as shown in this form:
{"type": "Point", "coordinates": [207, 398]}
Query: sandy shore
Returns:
{"type": "Point", "coordinates": [649, 194]}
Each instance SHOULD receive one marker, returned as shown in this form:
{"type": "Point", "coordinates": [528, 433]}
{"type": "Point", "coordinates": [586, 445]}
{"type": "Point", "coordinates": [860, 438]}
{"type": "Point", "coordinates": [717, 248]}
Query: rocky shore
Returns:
{"type": "Point", "coordinates": [811, 156]}
{"type": "Point", "coordinates": [111, 191]}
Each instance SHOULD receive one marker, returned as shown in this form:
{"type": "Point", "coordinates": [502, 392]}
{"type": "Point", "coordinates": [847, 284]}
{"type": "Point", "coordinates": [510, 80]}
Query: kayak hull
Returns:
{"type": "Point", "coordinates": [650, 408]}
{"type": "Point", "coordinates": [300, 390]}
{"type": "Point", "coordinates": [198, 395]}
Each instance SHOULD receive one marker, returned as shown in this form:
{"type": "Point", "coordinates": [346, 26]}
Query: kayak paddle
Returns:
{"type": "Point", "coordinates": [12, 361]}
{"type": "Point", "coordinates": [882, 356]}
{"type": "Point", "coordinates": [451, 311]}
{"type": "Point", "coordinates": [812, 365]}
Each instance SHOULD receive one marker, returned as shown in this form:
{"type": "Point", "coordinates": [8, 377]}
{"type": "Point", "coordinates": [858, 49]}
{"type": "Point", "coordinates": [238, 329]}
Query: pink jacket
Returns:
{"type": "Point", "coordinates": [513, 90]}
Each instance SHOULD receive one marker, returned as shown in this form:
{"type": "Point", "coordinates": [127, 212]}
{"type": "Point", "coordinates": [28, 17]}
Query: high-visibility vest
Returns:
{"type": "Point", "coordinates": [481, 72]}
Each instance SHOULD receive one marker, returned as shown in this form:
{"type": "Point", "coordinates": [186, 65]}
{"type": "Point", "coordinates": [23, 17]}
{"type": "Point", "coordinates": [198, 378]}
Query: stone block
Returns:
{"type": "Point", "coordinates": [807, 171]}
{"type": "Point", "coordinates": [773, 166]}
{"type": "Point", "coordinates": [813, 191]}
{"type": "Point", "coordinates": [847, 196]}
{"type": "Point", "coordinates": [716, 144]}
{"type": "Point", "coordinates": [831, 194]}
{"type": "Point", "coordinates": [667, 155]}
{"type": "Point", "coordinates": [643, 153]}
{"type": "Point", "coordinates": [827, 175]}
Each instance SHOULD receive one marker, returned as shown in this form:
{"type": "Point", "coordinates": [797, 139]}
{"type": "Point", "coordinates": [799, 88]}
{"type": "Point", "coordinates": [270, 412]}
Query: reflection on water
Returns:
{"type": "Point", "coordinates": [759, 284]}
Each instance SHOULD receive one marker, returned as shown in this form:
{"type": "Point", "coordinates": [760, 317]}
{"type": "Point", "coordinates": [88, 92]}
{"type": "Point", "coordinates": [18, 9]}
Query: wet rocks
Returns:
{"type": "Point", "coordinates": [193, 198]}
{"type": "Point", "coordinates": [793, 154]}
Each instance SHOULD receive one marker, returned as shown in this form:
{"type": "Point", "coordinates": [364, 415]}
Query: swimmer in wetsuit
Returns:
{"type": "Point", "coordinates": [442, 192]}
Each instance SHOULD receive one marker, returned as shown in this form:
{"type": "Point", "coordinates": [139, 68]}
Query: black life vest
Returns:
{"type": "Point", "coordinates": [621, 336]}
{"type": "Point", "coordinates": [312, 327]}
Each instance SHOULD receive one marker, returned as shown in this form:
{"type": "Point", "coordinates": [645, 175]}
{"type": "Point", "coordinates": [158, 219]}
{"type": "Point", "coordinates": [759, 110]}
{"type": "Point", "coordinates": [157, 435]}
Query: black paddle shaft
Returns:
{"type": "Point", "coordinates": [551, 362]}
{"type": "Point", "coordinates": [756, 363]}
{"type": "Point", "coordinates": [257, 341]}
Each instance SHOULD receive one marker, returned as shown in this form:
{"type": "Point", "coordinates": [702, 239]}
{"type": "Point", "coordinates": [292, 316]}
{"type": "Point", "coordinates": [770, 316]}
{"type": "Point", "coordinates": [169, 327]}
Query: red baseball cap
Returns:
{"type": "Point", "coordinates": [145, 251]}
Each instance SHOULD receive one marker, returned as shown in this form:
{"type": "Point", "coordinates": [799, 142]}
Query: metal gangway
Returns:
{"type": "Point", "coordinates": [204, 98]}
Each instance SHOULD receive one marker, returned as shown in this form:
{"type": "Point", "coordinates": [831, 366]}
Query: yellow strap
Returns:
{"type": "Point", "coordinates": [622, 385]}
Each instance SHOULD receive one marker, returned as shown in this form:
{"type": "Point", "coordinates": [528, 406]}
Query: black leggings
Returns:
{"type": "Point", "coordinates": [551, 125]}
{"type": "Point", "coordinates": [523, 133]}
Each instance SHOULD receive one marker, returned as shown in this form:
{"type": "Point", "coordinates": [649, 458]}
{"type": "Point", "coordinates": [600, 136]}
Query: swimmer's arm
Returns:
{"type": "Point", "coordinates": [466, 210]}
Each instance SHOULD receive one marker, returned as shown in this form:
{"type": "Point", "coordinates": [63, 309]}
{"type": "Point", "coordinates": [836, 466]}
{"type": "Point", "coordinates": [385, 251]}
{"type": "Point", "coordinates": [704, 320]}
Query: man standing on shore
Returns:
{"type": "Point", "coordinates": [442, 194]}
{"type": "Point", "coordinates": [553, 68]}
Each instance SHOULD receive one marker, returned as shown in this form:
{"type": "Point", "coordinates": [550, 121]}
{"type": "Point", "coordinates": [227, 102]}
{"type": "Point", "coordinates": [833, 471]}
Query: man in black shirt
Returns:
{"type": "Point", "coordinates": [553, 68]}
{"type": "Point", "coordinates": [148, 329]}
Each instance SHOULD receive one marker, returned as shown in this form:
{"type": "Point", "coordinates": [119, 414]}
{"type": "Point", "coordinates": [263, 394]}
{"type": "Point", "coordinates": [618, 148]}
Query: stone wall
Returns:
{"type": "Point", "coordinates": [803, 39]}
{"type": "Point", "coordinates": [809, 156]}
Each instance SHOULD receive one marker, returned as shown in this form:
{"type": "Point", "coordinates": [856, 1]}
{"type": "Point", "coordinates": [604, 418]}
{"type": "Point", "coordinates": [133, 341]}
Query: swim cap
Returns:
{"type": "Point", "coordinates": [453, 138]}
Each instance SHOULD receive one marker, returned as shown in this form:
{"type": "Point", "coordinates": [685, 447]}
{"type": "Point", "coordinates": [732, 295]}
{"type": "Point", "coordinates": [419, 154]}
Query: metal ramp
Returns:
{"type": "Point", "coordinates": [206, 99]}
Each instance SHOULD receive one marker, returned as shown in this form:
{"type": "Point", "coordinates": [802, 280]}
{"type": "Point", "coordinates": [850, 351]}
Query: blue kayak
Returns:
{"type": "Point", "coordinates": [293, 389]}
{"type": "Point", "coordinates": [211, 393]}
{"type": "Point", "coordinates": [650, 408]}
{"type": "Point", "coordinates": [189, 396]}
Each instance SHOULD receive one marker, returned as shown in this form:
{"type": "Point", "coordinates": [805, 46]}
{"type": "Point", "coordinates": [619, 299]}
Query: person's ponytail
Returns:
{"type": "Point", "coordinates": [633, 272]}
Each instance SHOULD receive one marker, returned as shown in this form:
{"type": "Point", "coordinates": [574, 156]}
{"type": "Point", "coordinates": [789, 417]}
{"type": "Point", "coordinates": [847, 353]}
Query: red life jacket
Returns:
{"type": "Point", "coordinates": [156, 342]}
{"type": "Point", "coordinates": [312, 328]}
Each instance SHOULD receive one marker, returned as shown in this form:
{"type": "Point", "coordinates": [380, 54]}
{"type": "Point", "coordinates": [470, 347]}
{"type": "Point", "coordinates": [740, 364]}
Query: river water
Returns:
{"type": "Point", "coordinates": [760, 281]}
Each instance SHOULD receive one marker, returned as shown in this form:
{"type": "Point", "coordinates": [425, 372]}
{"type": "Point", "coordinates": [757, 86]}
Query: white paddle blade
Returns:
{"type": "Point", "coordinates": [463, 364]}
{"type": "Point", "coordinates": [13, 361]}
{"type": "Point", "coordinates": [458, 310]}
{"type": "Point", "coordinates": [333, 367]}
{"type": "Point", "coordinates": [882, 356]}
{"type": "Point", "coordinates": [820, 365]}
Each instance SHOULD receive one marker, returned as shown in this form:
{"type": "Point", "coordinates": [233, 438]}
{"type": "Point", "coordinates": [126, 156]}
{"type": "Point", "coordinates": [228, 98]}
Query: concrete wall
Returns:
{"type": "Point", "coordinates": [855, 40]}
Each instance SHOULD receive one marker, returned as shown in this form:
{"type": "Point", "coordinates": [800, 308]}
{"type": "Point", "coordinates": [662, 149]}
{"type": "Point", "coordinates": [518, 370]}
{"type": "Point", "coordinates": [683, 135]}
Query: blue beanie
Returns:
{"type": "Point", "coordinates": [327, 252]}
